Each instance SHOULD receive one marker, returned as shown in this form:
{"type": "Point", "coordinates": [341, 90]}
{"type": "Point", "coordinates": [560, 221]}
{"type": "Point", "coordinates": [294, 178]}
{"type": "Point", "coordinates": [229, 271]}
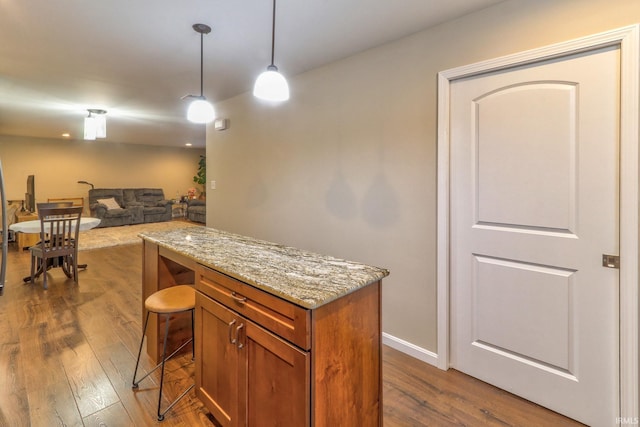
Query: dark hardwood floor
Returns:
{"type": "Point", "coordinates": [67, 357]}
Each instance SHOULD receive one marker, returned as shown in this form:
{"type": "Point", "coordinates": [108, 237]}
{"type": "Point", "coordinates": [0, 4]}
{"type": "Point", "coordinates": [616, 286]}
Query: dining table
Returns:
{"type": "Point", "coordinates": [33, 226]}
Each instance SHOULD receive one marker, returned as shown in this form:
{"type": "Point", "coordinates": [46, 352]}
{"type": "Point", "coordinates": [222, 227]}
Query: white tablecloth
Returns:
{"type": "Point", "coordinates": [86, 223]}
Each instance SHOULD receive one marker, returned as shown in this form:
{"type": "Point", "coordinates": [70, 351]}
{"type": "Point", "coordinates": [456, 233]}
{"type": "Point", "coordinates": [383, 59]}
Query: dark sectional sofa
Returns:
{"type": "Point", "coordinates": [132, 206]}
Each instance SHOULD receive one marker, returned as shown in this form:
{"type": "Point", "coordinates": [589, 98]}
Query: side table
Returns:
{"type": "Point", "coordinates": [179, 210]}
{"type": "Point", "coordinates": [26, 240]}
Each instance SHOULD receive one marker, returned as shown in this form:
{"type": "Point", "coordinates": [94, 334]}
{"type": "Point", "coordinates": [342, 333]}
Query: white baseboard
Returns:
{"type": "Point", "coordinates": [410, 349]}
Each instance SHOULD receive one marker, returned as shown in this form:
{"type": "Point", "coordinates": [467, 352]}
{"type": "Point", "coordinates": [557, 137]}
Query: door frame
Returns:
{"type": "Point", "coordinates": [628, 41]}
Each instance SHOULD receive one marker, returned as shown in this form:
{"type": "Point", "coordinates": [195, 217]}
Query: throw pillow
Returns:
{"type": "Point", "coordinates": [109, 203]}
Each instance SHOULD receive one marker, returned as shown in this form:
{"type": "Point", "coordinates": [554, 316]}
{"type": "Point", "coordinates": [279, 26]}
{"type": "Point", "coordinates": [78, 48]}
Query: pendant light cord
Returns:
{"type": "Point", "coordinates": [273, 33]}
{"type": "Point", "coordinates": [201, 65]}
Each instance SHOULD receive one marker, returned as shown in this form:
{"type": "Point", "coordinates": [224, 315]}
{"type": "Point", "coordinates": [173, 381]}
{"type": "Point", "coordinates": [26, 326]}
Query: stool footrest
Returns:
{"type": "Point", "coordinates": [135, 383]}
{"type": "Point", "coordinates": [161, 415]}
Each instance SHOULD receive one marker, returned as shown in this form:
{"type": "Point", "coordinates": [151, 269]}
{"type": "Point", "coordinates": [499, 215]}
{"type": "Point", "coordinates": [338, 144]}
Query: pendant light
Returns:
{"type": "Point", "coordinates": [200, 110]}
{"type": "Point", "coordinates": [95, 126]}
{"type": "Point", "coordinates": [271, 85]}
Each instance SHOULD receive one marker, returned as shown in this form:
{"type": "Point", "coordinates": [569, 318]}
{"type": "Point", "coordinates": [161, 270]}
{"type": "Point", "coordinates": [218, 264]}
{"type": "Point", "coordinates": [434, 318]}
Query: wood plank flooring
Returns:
{"type": "Point", "coordinates": [67, 357]}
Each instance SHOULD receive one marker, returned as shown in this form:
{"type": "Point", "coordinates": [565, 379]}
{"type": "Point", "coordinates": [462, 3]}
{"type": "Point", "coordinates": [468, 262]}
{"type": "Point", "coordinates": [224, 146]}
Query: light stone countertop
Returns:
{"type": "Point", "coordinates": [301, 277]}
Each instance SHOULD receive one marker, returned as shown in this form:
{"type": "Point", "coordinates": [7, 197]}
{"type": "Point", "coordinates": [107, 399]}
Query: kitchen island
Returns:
{"type": "Point", "coordinates": [283, 336]}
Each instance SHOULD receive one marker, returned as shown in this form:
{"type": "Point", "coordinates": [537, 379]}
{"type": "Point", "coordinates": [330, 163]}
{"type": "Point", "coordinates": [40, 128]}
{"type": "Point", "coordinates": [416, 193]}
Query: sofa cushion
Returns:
{"type": "Point", "coordinates": [116, 213]}
{"type": "Point", "coordinates": [110, 203]}
{"type": "Point", "coordinates": [154, 210]}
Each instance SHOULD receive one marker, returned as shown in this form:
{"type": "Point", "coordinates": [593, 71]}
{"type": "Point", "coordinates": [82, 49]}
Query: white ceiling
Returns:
{"type": "Point", "coordinates": [137, 58]}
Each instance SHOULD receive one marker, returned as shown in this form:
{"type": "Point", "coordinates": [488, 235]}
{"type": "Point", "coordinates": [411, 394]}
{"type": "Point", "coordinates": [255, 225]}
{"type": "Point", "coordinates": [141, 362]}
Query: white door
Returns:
{"type": "Point", "coordinates": [534, 206]}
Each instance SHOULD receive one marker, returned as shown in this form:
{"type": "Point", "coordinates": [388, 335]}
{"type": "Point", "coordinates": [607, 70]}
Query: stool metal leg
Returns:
{"type": "Point", "coordinates": [135, 383]}
{"type": "Point", "coordinates": [164, 358]}
{"type": "Point", "coordinates": [164, 352]}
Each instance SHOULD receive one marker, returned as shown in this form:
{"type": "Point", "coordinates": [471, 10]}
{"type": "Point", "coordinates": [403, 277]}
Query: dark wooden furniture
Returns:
{"type": "Point", "coordinates": [59, 228]}
{"type": "Point", "coordinates": [55, 204]}
{"type": "Point", "coordinates": [73, 201]}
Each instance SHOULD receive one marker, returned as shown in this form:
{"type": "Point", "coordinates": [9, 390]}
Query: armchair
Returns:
{"type": "Point", "coordinates": [197, 210]}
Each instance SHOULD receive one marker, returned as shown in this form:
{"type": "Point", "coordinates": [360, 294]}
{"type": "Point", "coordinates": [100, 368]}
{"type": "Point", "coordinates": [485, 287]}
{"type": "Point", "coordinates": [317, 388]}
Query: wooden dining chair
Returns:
{"type": "Point", "coordinates": [62, 203]}
{"type": "Point", "coordinates": [54, 205]}
{"type": "Point", "coordinates": [59, 228]}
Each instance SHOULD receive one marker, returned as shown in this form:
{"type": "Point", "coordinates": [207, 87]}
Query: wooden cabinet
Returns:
{"type": "Point", "coordinates": [263, 361]}
{"type": "Point", "coordinates": [26, 240]}
{"type": "Point", "coordinates": [246, 375]}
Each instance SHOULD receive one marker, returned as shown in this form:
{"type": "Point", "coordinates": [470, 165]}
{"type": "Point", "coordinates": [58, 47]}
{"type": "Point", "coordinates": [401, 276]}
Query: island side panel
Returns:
{"type": "Point", "coordinates": [150, 285]}
{"type": "Point", "coordinates": [347, 360]}
{"type": "Point", "coordinates": [163, 268]}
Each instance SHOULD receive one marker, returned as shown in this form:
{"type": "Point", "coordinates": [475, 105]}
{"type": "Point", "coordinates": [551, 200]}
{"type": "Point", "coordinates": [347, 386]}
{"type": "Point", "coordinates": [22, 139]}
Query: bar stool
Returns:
{"type": "Point", "coordinates": [168, 301]}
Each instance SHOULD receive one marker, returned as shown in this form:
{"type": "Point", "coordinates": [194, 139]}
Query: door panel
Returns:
{"type": "Point", "coordinates": [508, 295]}
{"type": "Point", "coordinates": [278, 388]}
{"type": "Point", "coordinates": [217, 361]}
{"type": "Point", "coordinates": [513, 147]}
{"type": "Point", "coordinates": [534, 205]}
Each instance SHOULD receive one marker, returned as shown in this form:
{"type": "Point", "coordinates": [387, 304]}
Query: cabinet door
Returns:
{"type": "Point", "coordinates": [217, 360]}
{"type": "Point", "coordinates": [276, 379]}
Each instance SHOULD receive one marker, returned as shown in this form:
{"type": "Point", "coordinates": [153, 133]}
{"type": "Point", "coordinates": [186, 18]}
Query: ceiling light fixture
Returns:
{"type": "Point", "coordinates": [95, 126]}
{"type": "Point", "coordinates": [200, 110]}
{"type": "Point", "coordinates": [271, 85]}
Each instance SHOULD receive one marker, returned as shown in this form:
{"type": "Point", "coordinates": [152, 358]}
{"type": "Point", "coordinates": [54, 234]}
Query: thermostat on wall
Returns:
{"type": "Point", "coordinates": [221, 124]}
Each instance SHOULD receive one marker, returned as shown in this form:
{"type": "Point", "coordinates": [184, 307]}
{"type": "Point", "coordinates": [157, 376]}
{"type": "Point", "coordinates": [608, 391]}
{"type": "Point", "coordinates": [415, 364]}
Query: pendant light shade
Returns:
{"type": "Point", "coordinates": [101, 126]}
{"type": "Point", "coordinates": [89, 128]}
{"type": "Point", "coordinates": [200, 110]}
{"type": "Point", "coordinates": [271, 85]}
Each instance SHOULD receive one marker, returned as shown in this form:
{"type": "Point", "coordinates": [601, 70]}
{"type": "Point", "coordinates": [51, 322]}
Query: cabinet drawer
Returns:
{"type": "Point", "coordinates": [281, 317]}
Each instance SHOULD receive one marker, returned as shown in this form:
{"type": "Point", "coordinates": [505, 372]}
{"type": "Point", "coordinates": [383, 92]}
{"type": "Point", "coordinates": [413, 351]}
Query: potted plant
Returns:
{"type": "Point", "coordinates": [201, 175]}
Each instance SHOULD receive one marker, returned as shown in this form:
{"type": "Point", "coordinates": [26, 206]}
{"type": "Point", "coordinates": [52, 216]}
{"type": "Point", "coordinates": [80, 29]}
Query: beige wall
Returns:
{"type": "Point", "coordinates": [348, 166]}
{"type": "Point", "coordinates": [59, 165]}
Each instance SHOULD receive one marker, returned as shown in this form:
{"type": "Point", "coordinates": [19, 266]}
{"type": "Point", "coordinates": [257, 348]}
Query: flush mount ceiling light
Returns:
{"type": "Point", "coordinates": [200, 110]}
{"type": "Point", "coordinates": [95, 124]}
{"type": "Point", "coordinates": [271, 85]}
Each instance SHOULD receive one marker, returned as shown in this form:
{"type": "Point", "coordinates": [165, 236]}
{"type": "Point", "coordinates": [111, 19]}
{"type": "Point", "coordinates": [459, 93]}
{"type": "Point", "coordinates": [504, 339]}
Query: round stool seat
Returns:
{"type": "Point", "coordinates": [172, 300]}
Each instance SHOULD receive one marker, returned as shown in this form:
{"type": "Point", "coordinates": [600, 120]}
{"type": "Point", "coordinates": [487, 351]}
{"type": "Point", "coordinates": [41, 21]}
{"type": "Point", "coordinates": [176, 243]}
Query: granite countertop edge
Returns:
{"type": "Point", "coordinates": [295, 275]}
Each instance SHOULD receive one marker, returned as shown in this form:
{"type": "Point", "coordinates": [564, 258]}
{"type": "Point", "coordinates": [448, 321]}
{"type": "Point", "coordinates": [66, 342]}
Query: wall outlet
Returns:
{"type": "Point", "coordinates": [213, 185]}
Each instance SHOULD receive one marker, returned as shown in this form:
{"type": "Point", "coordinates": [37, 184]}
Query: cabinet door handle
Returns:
{"type": "Point", "coordinates": [232, 340]}
{"type": "Point", "coordinates": [238, 299]}
{"type": "Point", "coordinates": [238, 328]}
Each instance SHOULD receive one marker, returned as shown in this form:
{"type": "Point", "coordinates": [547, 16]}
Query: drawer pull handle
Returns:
{"type": "Point", "coordinates": [232, 340]}
{"type": "Point", "coordinates": [238, 299]}
{"type": "Point", "coordinates": [238, 328]}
